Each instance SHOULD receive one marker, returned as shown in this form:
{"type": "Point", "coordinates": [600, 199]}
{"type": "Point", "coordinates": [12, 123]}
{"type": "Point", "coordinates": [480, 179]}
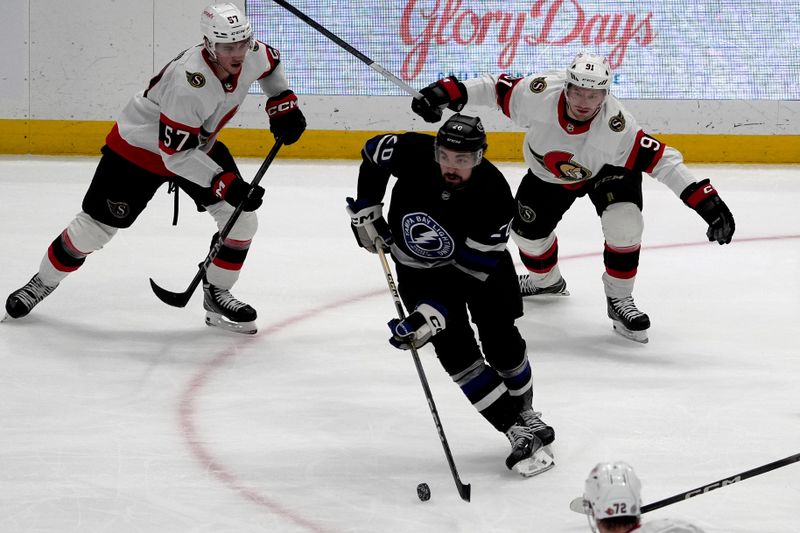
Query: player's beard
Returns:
{"type": "Point", "coordinates": [453, 181]}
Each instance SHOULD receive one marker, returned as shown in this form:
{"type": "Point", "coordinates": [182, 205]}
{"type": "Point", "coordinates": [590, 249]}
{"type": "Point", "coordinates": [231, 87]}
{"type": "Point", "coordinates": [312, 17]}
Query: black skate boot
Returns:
{"type": "Point", "coordinates": [627, 319]}
{"type": "Point", "coordinates": [543, 432]}
{"type": "Point", "coordinates": [225, 311]}
{"type": "Point", "coordinates": [527, 288]}
{"type": "Point", "coordinates": [22, 301]}
{"type": "Point", "coordinates": [528, 455]}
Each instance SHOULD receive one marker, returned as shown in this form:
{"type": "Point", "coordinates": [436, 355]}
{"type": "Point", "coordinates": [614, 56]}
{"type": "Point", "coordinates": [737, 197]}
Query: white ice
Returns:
{"type": "Point", "coordinates": [121, 414]}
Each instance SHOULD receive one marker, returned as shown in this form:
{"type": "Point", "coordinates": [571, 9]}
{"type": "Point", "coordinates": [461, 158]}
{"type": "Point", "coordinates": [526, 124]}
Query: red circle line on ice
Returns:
{"type": "Point", "coordinates": [187, 405]}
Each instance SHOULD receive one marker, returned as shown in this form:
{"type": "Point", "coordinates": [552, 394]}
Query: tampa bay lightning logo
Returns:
{"type": "Point", "coordinates": [425, 237]}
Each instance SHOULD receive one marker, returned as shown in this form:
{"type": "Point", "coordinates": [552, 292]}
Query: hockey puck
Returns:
{"type": "Point", "coordinates": [424, 492]}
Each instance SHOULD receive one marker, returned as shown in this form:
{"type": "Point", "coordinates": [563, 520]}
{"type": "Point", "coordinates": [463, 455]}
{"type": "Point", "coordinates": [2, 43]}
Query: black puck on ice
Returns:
{"type": "Point", "coordinates": [424, 492]}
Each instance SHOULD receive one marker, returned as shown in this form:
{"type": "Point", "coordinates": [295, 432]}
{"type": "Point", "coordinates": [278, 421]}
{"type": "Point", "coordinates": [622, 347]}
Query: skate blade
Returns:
{"type": "Point", "coordinates": [637, 336]}
{"type": "Point", "coordinates": [7, 317]}
{"type": "Point", "coordinates": [219, 321]}
{"type": "Point", "coordinates": [546, 295]}
{"type": "Point", "coordinates": [541, 461]}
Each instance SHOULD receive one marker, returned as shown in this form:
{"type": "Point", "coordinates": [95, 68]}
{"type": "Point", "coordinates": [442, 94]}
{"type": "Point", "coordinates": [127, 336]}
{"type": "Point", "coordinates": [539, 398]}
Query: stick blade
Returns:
{"type": "Point", "coordinates": [577, 506]}
{"type": "Point", "coordinates": [175, 299]}
{"type": "Point", "coordinates": [465, 491]}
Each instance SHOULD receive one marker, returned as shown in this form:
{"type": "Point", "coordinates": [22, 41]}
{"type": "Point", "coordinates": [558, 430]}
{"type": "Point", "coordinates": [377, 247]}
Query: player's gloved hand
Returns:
{"type": "Point", "coordinates": [367, 223]}
{"type": "Point", "coordinates": [445, 92]}
{"type": "Point", "coordinates": [230, 187]}
{"type": "Point", "coordinates": [428, 319]}
{"type": "Point", "coordinates": [285, 118]}
{"type": "Point", "coordinates": [703, 198]}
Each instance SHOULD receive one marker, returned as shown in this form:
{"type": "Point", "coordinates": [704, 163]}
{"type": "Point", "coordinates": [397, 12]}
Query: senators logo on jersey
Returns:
{"type": "Point", "coordinates": [538, 85]}
{"type": "Point", "coordinates": [195, 79]}
{"type": "Point", "coordinates": [561, 165]}
{"type": "Point", "coordinates": [617, 122]}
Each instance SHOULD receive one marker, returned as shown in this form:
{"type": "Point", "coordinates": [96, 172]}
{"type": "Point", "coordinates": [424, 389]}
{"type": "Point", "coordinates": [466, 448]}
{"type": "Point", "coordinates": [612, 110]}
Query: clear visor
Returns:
{"type": "Point", "coordinates": [450, 158]}
{"type": "Point", "coordinates": [239, 47]}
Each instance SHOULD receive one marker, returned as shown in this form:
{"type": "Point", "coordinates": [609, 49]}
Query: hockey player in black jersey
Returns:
{"type": "Point", "coordinates": [447, 230]}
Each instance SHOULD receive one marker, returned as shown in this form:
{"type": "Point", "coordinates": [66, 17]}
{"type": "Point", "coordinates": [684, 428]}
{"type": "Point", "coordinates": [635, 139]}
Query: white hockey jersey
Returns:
{"type": "Point", "coordinates": [667, 525]}
{"type": "Point", "coordinates": [169, 128]}
{"type": "Point", "coordinates": [560, 150]}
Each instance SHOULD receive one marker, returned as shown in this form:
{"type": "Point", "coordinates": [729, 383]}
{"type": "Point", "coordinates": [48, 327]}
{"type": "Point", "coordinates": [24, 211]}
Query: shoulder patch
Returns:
{"type": "Point", "coordinates": [195, 79]}
{"type": "Point", "coordinates": [538, 84]}
{"type": "Point", "coordinates": [617, 122]}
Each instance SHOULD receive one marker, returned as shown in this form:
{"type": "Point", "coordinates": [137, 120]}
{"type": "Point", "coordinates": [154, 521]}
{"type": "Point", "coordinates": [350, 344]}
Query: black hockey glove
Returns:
{"type": "Point", "coordinates": [285, 118]}
{"type": "Point", "coordinates": [230, 187]}
{"type": "Point", "coordinates": [428, 319]}
{"type": "Point", "coordinates": [368, 224]}
{"type": "Point", "coordinates": [703, 198]}
{"type": "Point", "coordinates": [446, 92]}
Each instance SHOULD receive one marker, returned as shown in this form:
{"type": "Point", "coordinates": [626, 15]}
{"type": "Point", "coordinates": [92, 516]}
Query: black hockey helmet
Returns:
{"type": "Point", "coordinates": [462, 133]}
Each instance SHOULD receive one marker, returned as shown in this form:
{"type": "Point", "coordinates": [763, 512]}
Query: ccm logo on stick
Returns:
{"type": "Point", "coordinates": [713, 486]}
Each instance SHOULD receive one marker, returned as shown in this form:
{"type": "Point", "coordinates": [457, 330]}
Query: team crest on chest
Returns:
{"type": "Point", "coordinates": [195, 79]}
{"type": "Point", "coordinates": [425, 237]}
{"type": "Point", "coordinates": [561, 165]}
{"type": "Point", "coordinates": [538, 85]}
{"type": "Point", "coordinates": [617, 122]}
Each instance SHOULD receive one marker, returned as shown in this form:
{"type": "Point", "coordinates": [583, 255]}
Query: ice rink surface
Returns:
{"type": "Point", "coordinates": [121, 414]}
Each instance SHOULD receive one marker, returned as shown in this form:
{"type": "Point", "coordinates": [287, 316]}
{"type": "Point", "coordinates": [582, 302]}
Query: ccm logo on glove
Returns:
{"type": "Point", "coordinates": [282, 107]}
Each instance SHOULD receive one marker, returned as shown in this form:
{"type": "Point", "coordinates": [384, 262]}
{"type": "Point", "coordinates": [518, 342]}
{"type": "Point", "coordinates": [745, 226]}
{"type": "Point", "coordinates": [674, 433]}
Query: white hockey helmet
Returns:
{"type": "Point", "coordinates": [589, 70]}
{"type": "Point", "coordinates": [612, 490]}
{"type": "Point", "coordinates": [224, 23]}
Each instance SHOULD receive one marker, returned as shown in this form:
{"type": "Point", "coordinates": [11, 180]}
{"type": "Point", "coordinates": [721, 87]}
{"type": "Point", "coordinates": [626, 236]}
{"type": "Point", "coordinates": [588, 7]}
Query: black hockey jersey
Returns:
{"type": "Point", "coordinates": [434, 225]}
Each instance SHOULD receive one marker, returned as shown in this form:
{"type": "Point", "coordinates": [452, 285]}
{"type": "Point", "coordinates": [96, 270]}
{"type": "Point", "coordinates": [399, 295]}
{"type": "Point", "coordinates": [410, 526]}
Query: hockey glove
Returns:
{"type": "Point", "coordinates": [428, 319]}
{"type": "Point", "coordinates": [445, 92]}
{"type": "Point", "coordinates": [703, 198]}
{"type": "Point", "coordinates": [285, 118]}
{"type": "Point", "coordinates": [230, 187]}
{"type": "Point", "coordinates": [367, 223]}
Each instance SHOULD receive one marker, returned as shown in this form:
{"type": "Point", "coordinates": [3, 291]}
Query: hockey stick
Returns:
{"type": "Point", "coordinates": [579, 506]}
{"type": "Point", "coordinates": [463, 490]}
{"type": "Point", "coordinates": [369, 62]}
{"type": "Point", "coordinates": [180, 299]}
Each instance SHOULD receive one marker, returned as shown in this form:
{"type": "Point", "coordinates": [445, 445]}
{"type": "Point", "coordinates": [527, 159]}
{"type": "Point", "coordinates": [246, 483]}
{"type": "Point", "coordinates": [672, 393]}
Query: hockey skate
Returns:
{"type": "Point", "coordinates": [543, 432]}
{"type": "Point", "coordinates": [529, 457]}
{"type": "Point", "coordinates": [527, 288]}
{"type": "Point", "coordinates": [226, 312]}
{"type": "Point", "coordinates": [628, 321]}
{"type": "Point", "coordinates": [23, 300]}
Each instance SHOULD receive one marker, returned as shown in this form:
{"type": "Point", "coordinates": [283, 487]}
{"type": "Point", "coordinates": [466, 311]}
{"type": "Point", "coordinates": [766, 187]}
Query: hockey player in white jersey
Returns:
{"type": "Point", "coordinates": [581, 141]}
{"type": "Point", "coordinates": [613, 498]}
{"type": "Point", "coordinates": [167, 133]}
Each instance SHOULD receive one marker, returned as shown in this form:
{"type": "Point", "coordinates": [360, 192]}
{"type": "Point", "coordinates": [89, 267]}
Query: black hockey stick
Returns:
{"type": "Point", "coordinates": [579, 506]}
{"type": "Point", "coordinates": [180, 299]}
{"type": "Point", "coordinates": [463, 490]}
{"type": "Point", "coordinates": [369, 62]}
